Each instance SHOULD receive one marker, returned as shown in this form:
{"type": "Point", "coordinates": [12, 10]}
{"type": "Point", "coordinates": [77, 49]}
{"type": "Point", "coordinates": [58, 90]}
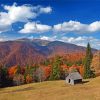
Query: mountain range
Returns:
{"type": "Point", "coordinates": [28, 51]}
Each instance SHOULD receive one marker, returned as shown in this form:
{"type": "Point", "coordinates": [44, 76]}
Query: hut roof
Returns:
{"type": "Point", "coordinates": [74, 75]}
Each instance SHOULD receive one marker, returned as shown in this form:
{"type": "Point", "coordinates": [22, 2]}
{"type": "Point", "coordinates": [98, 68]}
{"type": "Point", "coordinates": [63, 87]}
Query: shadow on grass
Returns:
{"type": "Point", "coordinates": [25, 89]}
{"type": "Point", "coordinates": [83, 82]}
{"type": "Point", "coordinates": [14, 91]}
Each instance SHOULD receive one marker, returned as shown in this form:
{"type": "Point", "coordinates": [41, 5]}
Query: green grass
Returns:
{"type": "Point", "coordinates": [53, 90]}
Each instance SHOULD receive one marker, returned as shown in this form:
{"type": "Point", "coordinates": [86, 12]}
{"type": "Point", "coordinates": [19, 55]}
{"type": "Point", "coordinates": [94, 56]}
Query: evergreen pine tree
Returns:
{"type": "Point", "coordinates": [87, 63]}
{"type": "Point", "coordinates": [18, 70]}
{"type": "Point", "coordinates": [4, 77]}
{"type": "Point", "coordinates": [55, 75]}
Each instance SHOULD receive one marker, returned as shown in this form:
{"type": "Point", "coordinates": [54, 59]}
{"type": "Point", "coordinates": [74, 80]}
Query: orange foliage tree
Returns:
{"type": "Point", "coordinates": [29, 79]}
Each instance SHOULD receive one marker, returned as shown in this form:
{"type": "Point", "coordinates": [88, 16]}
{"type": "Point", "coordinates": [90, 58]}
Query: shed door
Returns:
{"type": "Point", "coordinates": [77, 81]}
{"type": "Point", "coordinates": [69, 81]}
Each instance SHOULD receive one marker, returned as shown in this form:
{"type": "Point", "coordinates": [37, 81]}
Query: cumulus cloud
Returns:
{"type": "Point", "coordinates": [44, 38]}
{"type": "Point", "coordinates": [45, 9]}
{"type": "Point", "coordinates": [77, 27]}
{"type": "Point", "coordinates": [80, 40]}
{"type": "Point", "coordinates": [23, 13]}
{"type": "Point", "coordinates": [32, 27]}
{"type": "Point", "coordinates": [53, 38]}
{"type": "Point", "coordinates": [2, 38]}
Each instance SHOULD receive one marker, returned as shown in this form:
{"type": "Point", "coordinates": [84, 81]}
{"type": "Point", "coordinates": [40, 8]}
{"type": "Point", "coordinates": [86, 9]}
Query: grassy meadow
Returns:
{"type": "Point", "coordinates": [53, 90]}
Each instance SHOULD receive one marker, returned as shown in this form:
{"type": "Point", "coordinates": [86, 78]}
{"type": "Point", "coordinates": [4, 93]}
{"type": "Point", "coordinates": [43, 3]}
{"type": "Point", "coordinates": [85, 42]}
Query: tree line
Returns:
{"type": "Point", "coordinates": [58, 69]}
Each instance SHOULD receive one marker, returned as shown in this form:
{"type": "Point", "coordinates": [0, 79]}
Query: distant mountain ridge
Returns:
{"type": "Point", "coordinates": [28, 51]}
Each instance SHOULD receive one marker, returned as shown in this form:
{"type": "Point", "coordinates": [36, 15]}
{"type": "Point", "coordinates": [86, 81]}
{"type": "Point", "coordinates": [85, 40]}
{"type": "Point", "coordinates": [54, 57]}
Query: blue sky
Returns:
{"type": "Point", "coordinates": [73, 21]}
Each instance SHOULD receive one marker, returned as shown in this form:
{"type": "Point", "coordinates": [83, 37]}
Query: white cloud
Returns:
{"type": "Point", "coordinates": [1, 39]}
{"type": "Point", "coordinates": [82, 41]}
{"type": "Point", "coordinates": [23, 13]}
{"type": "Point", "coordinates": [4, 28]}
{"type": "Point", "coordinates": [45, 10]}
{"type": "Point", "coordinates": [45, 38]}
{"type": "Point", "coordinates": [77, 27]}
{"type": "Point", "coordinates": [19, 13]}
{"type": "Point", "coordinates": [32, 27]}
{"type": "Point", "coordinates": [53, 38]}
{"type": "Point", "coordinates": [95, 26]}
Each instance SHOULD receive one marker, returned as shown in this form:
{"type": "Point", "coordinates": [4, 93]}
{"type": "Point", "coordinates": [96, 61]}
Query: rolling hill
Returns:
{"type": "Point", "coordinates": [53, 90]}
{"type": "Point", "coordinates": [26, 51]}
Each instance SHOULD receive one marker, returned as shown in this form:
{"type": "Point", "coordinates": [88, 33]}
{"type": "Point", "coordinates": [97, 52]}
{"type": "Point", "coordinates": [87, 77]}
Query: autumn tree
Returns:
{"type": "Point", "coordinates": [29, 79]}
{"type": "Point", "coordinates": [12, 71]}
{"type": "Point", "coordinates": [64, 71]}
{"type": "Point", "coordinates": [47, 71]}
{"type": "Point", "coordinates": [18, 79]}
{"type": "Point", "coordinates": [40, 74]}
{"type": "Point", "coordinates": [47, 62]}
{"type": "Point", "coordinates": [30, 73]}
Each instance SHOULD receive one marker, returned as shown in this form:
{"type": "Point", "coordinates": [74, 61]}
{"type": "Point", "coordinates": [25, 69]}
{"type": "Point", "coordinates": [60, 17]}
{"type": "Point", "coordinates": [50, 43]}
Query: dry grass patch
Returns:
{"type": "Point", "coordinates": [53, 90]}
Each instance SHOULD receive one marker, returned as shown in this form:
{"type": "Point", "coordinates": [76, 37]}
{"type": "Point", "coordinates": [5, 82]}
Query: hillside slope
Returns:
{"type": "Point", "coordinates": [26, 51]}
{"type": "Point", "coordinates": [53, 90]}
{"type": "Point", "coordinates": [13, 53]}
